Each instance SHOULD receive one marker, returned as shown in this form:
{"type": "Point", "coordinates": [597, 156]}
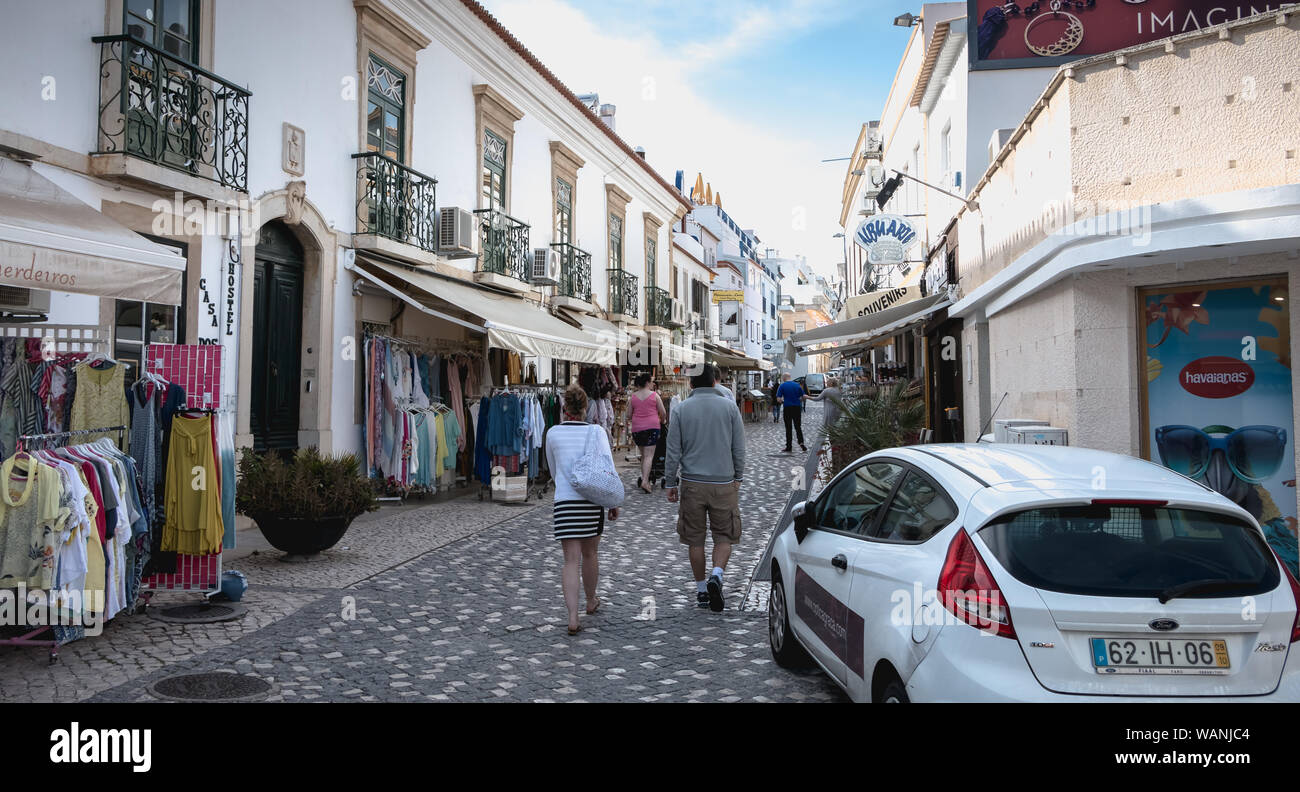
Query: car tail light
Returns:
{"type": "Point", "coordinates": [970, 592]}
{"type": "Point", "coordinates": [1128, 502]}
{"type": "Point", "coordinates": [1295, 594]}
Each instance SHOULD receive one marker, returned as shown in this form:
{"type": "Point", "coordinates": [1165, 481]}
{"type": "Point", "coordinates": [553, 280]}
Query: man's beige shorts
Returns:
{"type": "Point", "coordinates": [715, 506]}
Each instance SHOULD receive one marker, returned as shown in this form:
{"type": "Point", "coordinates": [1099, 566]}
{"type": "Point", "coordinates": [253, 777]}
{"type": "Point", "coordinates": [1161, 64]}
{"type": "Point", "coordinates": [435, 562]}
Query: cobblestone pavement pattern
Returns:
{"type": "Point", "coordinates": [461, 601]}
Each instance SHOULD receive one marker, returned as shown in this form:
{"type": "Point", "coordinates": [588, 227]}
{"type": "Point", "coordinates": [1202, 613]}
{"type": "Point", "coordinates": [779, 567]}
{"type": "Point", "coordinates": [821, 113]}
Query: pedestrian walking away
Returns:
{"type": "Point", "coordinates": [578, 523]}
{"type": "Point", "coordinates": [792, 396]}
{"type": "Point", "coordinates": [647, 418]}
{"type": "Point", "coordinates": [706, 458]}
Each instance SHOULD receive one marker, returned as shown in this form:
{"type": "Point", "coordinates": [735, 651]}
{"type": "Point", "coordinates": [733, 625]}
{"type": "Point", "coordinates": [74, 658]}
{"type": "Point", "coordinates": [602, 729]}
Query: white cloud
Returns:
{"type": "Point", "coordinates": [769, 182]}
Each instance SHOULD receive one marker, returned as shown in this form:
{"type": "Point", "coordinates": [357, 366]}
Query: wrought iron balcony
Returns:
{"type": "Point", "coordinates": [622, 292]}
{"type": "Point", "coordinates": [395, 201]}
{"type": "Point", "coordinates": [658, 306]}
{"type": "Point", "coordinates": [159, 108]}
{"type": "Point", "coordinates": [504, 244]}
{"type": "Point", "coordinates": [575, 272]}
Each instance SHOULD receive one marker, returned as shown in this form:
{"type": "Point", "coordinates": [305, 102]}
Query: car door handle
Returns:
{"type": "Point", "coordinates": [840, 562]}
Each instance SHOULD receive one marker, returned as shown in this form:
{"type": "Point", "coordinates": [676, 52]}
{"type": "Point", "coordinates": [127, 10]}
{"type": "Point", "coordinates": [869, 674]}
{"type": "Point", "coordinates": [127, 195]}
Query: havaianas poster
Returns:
{"type": "Point", "coordinates": [1218, 400]}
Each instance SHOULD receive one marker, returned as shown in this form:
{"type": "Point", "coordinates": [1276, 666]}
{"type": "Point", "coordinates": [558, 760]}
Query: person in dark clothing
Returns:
{"type": "Point", "coordinates": [792, 396]}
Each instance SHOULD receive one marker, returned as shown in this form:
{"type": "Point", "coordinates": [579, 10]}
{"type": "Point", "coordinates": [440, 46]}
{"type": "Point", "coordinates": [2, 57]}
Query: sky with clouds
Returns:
{"type": "Point", "coordinates": [751, 94]}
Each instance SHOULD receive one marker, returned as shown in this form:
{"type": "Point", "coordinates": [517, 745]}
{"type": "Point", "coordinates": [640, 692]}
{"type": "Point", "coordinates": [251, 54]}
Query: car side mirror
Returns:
{"type": "Point", "coordinates": [802, 513]}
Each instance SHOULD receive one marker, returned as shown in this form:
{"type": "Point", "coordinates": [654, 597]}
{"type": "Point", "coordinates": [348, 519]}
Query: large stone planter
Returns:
{"type": "Point", "coordinates": [302, 536]}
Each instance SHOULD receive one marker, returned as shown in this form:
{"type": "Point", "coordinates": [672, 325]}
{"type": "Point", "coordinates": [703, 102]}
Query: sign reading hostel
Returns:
{"type": "Point", "coordinates": [886, 238]}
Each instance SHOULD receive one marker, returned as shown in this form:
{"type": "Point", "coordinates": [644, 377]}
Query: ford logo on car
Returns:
{"type": "Point", "coordinates": [1164, 625]}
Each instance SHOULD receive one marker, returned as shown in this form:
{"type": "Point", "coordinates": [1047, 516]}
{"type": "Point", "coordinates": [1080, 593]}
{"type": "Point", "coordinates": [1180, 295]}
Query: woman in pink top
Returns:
{"type": "Point", "coordinates": [648, 415]}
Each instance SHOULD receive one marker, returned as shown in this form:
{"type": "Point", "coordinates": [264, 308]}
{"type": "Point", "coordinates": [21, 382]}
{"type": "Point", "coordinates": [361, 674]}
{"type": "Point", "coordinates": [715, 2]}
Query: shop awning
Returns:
{"type": "Point", "coordinates": [51, 240]}
{"type": "Point", "coordinates": [510, 322]}
{"type": "Point", "coordinates": [859, 327]}
{"type": "Point", "coordinates": [902, 324]}
{"type": "Point", "coordinates": [729, 358]}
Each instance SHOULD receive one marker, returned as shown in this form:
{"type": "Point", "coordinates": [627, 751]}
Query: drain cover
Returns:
{"type": "Point", "coordinates": [199, 614]}
{"type": "Point", "coordinates": [211, 686]}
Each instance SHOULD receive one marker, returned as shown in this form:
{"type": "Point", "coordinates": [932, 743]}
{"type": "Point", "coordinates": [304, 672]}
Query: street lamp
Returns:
{"type": "Point", "coordinates": [906, 20]}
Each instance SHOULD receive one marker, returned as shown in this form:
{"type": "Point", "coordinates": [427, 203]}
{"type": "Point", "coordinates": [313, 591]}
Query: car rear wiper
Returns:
{"type": "Point", "coordinates": [1201, 586]}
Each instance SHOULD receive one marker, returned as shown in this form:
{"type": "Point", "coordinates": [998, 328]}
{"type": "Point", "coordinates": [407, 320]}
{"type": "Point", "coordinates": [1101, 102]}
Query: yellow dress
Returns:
{"type": "Point", "coordinates": [100, 402]}
{"type": "Point", "coordinates": [439, 428]}
{"type": "Point", "coordinates": [193, 502]}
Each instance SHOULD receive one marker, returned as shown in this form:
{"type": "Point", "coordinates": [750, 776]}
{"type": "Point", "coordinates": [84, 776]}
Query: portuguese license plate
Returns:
{"type": "Point", "coordinates": [1201, 656]}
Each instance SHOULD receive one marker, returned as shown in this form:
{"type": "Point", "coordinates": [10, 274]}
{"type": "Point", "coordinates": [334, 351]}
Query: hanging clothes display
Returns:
{"type": "Point", "coordinates": [414, 422]}
{"type": "Point", "coordinates": [193, 523]}
{"type": "Point", "coordinates": [100, 398]}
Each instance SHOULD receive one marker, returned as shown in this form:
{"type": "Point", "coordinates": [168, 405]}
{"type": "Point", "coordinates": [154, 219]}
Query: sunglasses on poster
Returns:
{"type": "Point", "coordinates": [1253, 453]}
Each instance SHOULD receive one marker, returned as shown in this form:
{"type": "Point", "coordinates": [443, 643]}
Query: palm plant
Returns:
{"type": "Point", "coordinates": [870, 423]}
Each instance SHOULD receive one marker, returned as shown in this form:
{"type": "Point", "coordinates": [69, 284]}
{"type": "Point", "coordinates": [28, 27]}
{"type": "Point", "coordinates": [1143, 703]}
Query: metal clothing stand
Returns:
{"type": "Point", "coordinates": [35, 442]}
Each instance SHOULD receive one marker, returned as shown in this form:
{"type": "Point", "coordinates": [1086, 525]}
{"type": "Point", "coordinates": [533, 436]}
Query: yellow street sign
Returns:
{"type": "Point", "coordinates": [737, 295]}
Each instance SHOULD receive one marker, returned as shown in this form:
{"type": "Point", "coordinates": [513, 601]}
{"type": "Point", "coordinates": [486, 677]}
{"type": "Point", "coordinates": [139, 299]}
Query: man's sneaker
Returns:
{"type": "Point", "coordinates": [803, 448]}
{"type": "Point", "coordinates": [702, 599]}
{"type": "Point", "coordinates": [715, 593]}
{"type": "Point", "coordinates": [787, 450]}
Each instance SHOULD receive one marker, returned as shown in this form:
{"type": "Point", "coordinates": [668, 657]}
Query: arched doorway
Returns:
{"type": "Point", "coordinates": [277, 338]}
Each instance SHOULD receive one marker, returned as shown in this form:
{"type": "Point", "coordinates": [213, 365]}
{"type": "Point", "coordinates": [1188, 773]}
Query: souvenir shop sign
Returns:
{"type": "Point", "coordinates": [877, 301]}
{"type": "Point", "coordinates": [1216, 395]}
{"type": "Point", "coordinates": [886, 238]}
{"type": "Point", "coordinates": [1050, 32]}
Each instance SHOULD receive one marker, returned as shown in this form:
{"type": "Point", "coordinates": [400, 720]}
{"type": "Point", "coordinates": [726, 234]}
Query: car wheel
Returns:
{"type": "Point", "coordinates": [894, 693]}
{"type": "Point", "coordinates": [786, 650]}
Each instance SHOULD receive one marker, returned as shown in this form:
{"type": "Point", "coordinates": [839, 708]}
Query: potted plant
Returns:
{"type": "Point", "coordinates": [887, 419]}
{"type": "Point", "coordinates": [305, 505]}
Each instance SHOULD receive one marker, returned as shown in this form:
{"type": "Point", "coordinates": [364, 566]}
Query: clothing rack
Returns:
{"type": "Point", "coordinates": [42, 439]}
{"type": "Point", "coordinates": [23, 444]}
{"type": "Point", "coordinates": [439, 345]}
{"type": "Point", "coordinates": [533, 488]}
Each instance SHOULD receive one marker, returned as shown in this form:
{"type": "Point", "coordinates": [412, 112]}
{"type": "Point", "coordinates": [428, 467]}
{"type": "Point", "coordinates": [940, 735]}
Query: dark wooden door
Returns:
{"type": "Point", "coordinates": [277, 339]}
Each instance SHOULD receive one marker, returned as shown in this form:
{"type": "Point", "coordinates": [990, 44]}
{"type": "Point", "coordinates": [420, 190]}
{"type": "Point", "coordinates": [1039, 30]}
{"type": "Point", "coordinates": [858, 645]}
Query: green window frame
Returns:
{"type": "Point", "coordinates": [563, 211]}
{"type": "Point", "coordinates": [386, 109]}
{"type": "Point", "coordinates": [615, 242]}
{"type": "Point", "coordinates": [169, 25]}
{"type": "Point", "coordinates": [651, 262]}
{"type": "Point", "coordinates": [495, 156]}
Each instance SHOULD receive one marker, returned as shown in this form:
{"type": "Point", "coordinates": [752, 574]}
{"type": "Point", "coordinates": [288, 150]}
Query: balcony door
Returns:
{"type": "Point", "coordinates": [277, 339]}
{"type": "Point", "coordinates": [163, 96]}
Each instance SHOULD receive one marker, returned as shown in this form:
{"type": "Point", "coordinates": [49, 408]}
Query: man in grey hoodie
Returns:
{"type": "Point", "coordinates": [706, 451]}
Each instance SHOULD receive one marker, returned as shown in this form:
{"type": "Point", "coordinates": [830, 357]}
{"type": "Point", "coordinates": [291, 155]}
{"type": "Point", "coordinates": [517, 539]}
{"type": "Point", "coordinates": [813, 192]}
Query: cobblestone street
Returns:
{"type": "Point", "coordinates": [461, 601]}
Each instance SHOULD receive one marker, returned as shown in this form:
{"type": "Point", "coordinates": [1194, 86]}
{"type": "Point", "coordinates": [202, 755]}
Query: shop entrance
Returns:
{"type": "Point", "coordinates": [277, 339]}
{"type": "Point", "coordinates": [945, 381]}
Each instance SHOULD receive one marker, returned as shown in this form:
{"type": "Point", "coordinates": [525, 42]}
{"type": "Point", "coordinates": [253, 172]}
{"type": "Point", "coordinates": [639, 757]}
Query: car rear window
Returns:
{"type": "Point", "coordinates": [1132, 551]}
{"type": "Point", "coordinates": [815, 381]}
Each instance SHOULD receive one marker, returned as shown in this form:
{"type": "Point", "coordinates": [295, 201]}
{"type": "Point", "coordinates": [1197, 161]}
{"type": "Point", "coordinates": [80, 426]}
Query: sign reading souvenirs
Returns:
{"type": "Point", "coordinates": [1048, 32]}
{"type": "Point", "coordinates": [886, 238]}
{"type": "Point", "coordinates": [875, 302]}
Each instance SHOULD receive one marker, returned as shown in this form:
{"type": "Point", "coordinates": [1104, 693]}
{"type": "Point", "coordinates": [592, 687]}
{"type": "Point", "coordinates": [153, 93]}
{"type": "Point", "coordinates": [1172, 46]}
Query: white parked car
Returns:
{"type": "Point", "coordinates": [1031, 573]}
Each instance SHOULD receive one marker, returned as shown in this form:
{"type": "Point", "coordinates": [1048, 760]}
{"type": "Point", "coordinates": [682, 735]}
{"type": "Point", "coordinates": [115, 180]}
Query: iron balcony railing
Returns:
{"type": "Point", "coordinates": [395, 201]}
{"type": "Point", "coordinates": [575, 272]}
{"type": "Point", "coordinates": [504, 248]}
{"type": "Point", "coordinates": [622, 292]}
{"type": "Point", "coordinates": [159, 108]}
{"type": "Point", "coordinates": [658, 306]}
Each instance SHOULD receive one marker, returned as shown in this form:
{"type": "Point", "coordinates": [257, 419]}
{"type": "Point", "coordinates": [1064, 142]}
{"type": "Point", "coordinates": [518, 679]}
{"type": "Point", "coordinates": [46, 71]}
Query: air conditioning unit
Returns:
{"type": "Point", "coordinates": [677, 313]}
{"type": "Point", "coordinates": [456, 231]}
{"type": "Point", "coordinates": [18, 300]}
{"type": "Point", "coordinates": [1037, 435]}
{"type": "Point", "coordinates": [545, 267]}
{"type": "Point", "coordinates": [875, 179]}
{"type": "Point", "coordinates": [1002, 425]}
{"type": "Point", "coordinates": [997, 141]}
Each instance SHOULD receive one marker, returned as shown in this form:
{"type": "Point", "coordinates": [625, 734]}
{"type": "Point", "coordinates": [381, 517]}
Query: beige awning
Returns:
{"type": "Point", "coordinates": [729, 358]}
{"type": "Point", "coordinates": [510, 322]}
{"type": "Point", "coordinates": [861, 327]}
{"type": "Point", "coordinates": [50, 240]}
{"type": "Point", "coordinates": [920, 310]}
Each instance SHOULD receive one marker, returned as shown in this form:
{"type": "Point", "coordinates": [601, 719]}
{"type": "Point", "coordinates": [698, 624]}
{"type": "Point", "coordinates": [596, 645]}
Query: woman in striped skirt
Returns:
{"type": "Point", "coordinates": [578, 523]}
